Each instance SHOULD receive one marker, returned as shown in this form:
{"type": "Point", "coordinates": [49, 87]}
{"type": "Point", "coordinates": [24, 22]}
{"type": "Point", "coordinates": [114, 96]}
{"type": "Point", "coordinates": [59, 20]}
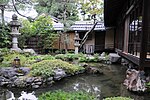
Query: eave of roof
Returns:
{"type": "Point", "coordinates": [112, 8]}
{"type": "Point", "coordinates": [81, 26]}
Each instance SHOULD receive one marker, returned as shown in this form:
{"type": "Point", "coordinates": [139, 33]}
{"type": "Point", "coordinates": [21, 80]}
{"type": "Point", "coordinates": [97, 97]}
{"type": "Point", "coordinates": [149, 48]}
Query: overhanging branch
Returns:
{"type": "Point", "coordinates": [86, 35]}
{"type": "Point", "coordinates": [29, 18]}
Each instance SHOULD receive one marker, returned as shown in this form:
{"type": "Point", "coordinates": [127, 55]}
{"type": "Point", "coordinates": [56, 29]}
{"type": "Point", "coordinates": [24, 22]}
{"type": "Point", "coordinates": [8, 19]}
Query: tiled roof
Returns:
{"type": "Point", "coordinates": [81, 25]}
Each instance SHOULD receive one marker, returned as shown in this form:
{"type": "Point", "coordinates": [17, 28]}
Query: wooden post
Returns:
{"type": "Point", "coordinates": [145, 32]}
{"type": "Point", "coordinates": [126, 35]}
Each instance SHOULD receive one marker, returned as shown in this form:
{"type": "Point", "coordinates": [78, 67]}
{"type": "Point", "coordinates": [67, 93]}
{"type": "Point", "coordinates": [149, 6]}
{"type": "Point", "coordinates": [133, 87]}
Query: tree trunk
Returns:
{"type": "Point", "coordinates": [65, 34]}
{"type": "Point", "coordinates": [2, 14]}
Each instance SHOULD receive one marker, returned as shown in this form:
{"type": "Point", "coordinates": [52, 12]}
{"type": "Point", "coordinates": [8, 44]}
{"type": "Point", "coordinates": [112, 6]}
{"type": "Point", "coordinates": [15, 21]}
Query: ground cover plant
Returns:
{"type": "Point", "coordinates": [67, 56]}
{"type": "Point", "coordinates": [46, 68]}
{"type": "Point", "coordinates": [9, 58]}
{"type": "Point", "coordinates": [62, 95]}
{"type": "Point", "coordinates": [81, 57]}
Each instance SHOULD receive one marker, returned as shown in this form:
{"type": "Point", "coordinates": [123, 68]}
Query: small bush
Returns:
{"type": "Point", "coordinates": [34, 59]}
{"type": "Point", "coordinates": [42, 57]}
{"type": "Point", "coordinates": [61, 56]}
{"type": "Point", "coordinates": [4, 51]}
{"type": "Point", "coordinates": [45, 68]}
{"type": "Point", "coordinates": [9, 58]}
{"type": "Point", "coordinates": [85, 58]}
{"type": "Point", "coordinates": [117, 98]}
{"type": "Point", "coordinates": [61, 95]}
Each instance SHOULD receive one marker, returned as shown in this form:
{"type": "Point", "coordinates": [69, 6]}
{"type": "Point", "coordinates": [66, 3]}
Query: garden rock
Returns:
{"type": "Point", "coordinates": [35, 86]}
{"type": "Point", "coordinates": [23, 70]}
{"type": "Point", "coordinates": [31, 51]}
{"type": "Point", "coordinates": [18, 77]}
{"type": "Point", "coordinates": [83, 65]}
{"type": "Point", "coordinates": [49, 79]}
{"type": "Point", "coordinates": [8, 72]}
{"type": "Point", "coordinates": [93, 70]}
{"type": "Point", "coordinates": [30, 79]}
{"type": "Point", "coordinates": [59, 74]}
{"type": "Point", "coordinates": [19, 82]}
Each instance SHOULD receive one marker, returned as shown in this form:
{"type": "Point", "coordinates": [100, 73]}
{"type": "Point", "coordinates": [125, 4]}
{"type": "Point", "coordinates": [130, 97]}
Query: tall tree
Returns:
{"type": "Point", "coordinates": [56, 8]}
{"type": "Point", "coordinates": [3, 4]}
{"type": "Point", "coordinates": [91, 8]}
{"type": "Point", "coordinates": [64, 10]}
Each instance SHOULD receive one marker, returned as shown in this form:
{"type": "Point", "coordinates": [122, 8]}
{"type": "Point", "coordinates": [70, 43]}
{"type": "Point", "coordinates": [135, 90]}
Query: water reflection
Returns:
{"type": "Point", "coordinates": [109, 84]}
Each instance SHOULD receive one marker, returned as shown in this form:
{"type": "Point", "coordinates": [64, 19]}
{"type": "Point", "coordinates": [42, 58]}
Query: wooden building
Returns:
{"type": "Point", "coordinates": [98, 39]}
{"type": "Point", "coordinates": [130, 22]}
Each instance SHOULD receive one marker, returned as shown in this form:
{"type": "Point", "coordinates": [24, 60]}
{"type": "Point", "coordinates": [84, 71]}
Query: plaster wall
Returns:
{"type": "Point", "coordinates": [109, 39]}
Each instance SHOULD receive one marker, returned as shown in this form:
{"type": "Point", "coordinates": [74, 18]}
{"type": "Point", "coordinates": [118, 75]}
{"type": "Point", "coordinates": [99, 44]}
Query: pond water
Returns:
{"type": "Point", "coordinates": [109, 84]}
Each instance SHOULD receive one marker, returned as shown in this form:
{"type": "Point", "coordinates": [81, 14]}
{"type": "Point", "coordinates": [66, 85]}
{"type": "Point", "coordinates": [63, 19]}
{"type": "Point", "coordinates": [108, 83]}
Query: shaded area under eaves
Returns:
{"type": "Point", "coordinates": [112, 9]}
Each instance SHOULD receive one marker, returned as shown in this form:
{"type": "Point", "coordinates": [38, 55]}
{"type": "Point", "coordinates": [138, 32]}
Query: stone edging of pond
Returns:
{"type": "Point", "coordinates": [19, 77]}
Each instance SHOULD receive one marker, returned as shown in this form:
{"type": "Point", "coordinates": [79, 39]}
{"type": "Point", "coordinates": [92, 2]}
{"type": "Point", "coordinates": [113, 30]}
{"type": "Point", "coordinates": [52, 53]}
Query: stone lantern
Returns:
{"type": "Point", "coordinates": [14, 24]}
{"type": "Point", "coordinates": [76, 42]}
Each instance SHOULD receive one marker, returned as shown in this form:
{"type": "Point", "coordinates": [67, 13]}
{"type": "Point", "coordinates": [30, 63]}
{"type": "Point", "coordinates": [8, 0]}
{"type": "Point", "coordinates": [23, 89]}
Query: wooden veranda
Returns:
{"type": "Point", "coordinates": [130, 20]}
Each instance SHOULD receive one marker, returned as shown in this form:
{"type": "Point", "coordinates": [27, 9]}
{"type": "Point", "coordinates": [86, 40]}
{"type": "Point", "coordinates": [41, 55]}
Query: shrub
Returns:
{"type": "Point", "coordinates": [68, 56]}
{"type": "Point", "coordinates": [42, 57]}
{"type": "Point", "coordinates": [9, 58]}
{"type": "Point", "coordinates": [61, 56]}
{"type": "Point", "coordinates": [85, 58]}
{"type": "Point", "coordinates": [117, 98]}
{"type": "Point", "coordinates": [34, 59]}
{"type": "Point", "coordinates": [62, 95]}
{"type": "Point", "coordinates": [4, 51]}
{"type": "Point", "coordinates": [45, 68]}
{"type": "Point", "coordinates": [71, 56]}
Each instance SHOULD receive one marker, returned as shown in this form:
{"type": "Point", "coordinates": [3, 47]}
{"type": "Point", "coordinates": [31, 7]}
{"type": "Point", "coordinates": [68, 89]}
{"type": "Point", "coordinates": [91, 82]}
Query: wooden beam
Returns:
{"type": "Point", "coordinates": [130, 57]}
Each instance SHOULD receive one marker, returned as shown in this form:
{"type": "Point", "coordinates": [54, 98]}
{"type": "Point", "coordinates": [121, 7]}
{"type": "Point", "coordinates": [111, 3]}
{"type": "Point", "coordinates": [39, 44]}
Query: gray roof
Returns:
{"type": "Point", "coordinates": [81, 26]}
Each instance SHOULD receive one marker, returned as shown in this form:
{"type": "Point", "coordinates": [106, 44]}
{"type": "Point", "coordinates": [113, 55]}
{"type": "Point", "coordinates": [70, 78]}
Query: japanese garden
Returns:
{"type": "Point", "coordinates": [74, 50]}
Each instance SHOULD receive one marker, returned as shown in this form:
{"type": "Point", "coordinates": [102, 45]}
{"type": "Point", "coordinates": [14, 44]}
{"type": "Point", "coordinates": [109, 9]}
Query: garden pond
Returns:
{"type": "Point", "coordinates": [107, 85]}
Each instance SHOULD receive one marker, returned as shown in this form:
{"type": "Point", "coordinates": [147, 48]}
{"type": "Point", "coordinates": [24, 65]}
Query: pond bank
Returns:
{"type": "Point", "coordinates": [107, 85]}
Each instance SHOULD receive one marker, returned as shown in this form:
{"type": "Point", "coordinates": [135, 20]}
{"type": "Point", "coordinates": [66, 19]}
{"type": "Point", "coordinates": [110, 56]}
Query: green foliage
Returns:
{"type": "Point", "coordinates": [62, 95]}
{"type": "Point", "coordinates": [4, 51]}
{"type": "Point", "coordinates": [34, 59]}
{"type": "Point", "coordinates": [96, 57]}
{"type": "Point", "coordinates": [56, 8]}
{"type": "Point", "coordinates": [4, 36]}
{"type": "Point", "coordinates": [85, 58]}
{"type": "Point", "coordinates": [72, 56]}
{"type": "Point", "coordinates": [67, 56]}
{"type": "Point", "coordinates": [42, 57]}
{"type": "Point", "coordinates": [91, 7]}
{"type": "Point", "coordinates": [118, 98]}
{"type": "Point", "coordinates": [45, 68]}
{"type": "Point", "coordinates": [41, 27]}
{"type": "Point", "coordinates": [81, 57]}
{"type": "Point", "coordinates": [148, 86]}
{"type": "Point", "coordinates": [61, 56]}
{"type": "Point", "coordinates": [9, 58]}
{"type": "Point", "coordinates": [4, 1]}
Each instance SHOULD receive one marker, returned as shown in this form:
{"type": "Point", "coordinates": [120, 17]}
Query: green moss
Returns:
{"type": "Point", "coordinates": [118, 98]}
{"type": "Point", "coordinates": [62, 95]}
{"type": "Point", "coordinates": [45, 68]}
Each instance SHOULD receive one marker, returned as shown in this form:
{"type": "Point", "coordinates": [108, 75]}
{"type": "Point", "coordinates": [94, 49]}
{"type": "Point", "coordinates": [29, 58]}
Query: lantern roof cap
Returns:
{"type": "Point", "coordinates": [14, 17]}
